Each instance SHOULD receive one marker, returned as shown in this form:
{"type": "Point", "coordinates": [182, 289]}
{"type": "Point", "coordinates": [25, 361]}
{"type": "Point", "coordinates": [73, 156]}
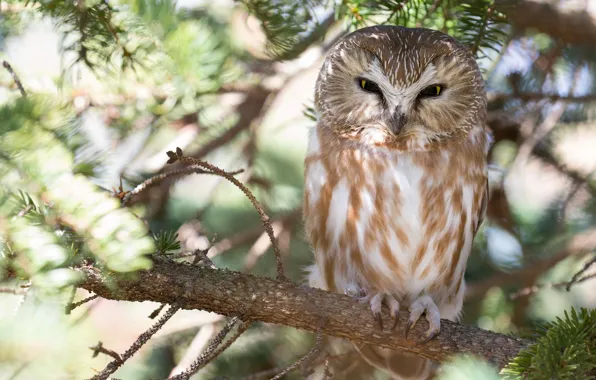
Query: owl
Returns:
{"type": "Point", "coordinates": [396, 177]}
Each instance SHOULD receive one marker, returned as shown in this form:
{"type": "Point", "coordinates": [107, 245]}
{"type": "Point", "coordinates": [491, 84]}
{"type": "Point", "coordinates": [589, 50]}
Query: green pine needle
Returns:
{"type": "Point", "coordinates": [566, 349]}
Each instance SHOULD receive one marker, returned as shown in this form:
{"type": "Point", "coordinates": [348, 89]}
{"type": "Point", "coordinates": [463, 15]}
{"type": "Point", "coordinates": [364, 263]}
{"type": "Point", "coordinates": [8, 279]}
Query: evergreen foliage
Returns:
{"type": "Point", "coordinates": [566, 349]}
{"type": "Point", "coordinates": [53, 215]}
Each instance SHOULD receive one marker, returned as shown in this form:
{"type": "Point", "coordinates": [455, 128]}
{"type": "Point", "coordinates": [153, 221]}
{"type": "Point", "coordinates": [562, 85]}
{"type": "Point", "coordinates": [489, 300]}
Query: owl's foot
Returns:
{"type": "Point", "coordinates": [425, 305]}
{"type": "Point", "coordinates": [376, 302]}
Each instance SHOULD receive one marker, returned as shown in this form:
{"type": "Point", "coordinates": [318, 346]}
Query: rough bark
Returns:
{"type": "Point", "coordinates": [574, 26]}
{"type": "Point", "coordinates": [263, 299]}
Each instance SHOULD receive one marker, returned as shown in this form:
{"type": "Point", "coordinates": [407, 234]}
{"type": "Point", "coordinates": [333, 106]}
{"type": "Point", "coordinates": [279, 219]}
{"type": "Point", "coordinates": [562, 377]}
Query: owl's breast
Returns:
{"type": "Point", "coordinates": [383, 221]}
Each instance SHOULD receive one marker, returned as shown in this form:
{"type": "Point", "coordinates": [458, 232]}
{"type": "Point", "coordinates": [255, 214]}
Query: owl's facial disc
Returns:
{"type": "Point", "coordinates": [399, 104]}
{"type": "Point", "coordinates": [389, 84]}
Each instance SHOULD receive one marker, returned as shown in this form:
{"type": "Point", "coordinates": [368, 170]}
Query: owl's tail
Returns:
{"type": "Point", "coordinates": [351, 362]}
{"type": "Point", "coordinates": [400, 365]}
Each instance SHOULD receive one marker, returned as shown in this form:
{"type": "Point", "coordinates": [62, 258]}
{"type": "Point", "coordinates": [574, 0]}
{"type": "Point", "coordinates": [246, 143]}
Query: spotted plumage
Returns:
{"type": "Point", "coordinates": [396, 174]}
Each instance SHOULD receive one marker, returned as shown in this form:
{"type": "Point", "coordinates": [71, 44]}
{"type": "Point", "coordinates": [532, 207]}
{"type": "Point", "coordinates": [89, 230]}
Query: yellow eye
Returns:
{"type": "Point", "coordinates": [431, 91]}
{"type": "Point", "coordinates": [368, 86]}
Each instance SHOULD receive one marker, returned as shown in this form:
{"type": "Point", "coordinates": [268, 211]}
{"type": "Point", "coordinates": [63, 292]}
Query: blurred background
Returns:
{"type": "Point", "coordinates": [112, 86]}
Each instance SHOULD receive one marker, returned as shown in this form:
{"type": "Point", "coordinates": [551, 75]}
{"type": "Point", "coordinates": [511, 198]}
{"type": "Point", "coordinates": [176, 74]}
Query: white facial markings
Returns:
{"type": "Point", "coordinates": [401, 96]}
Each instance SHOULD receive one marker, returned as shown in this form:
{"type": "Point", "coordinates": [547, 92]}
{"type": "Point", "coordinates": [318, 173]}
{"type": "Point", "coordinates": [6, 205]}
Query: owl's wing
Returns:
{"type": "Point", "coordinates": [483, 207]}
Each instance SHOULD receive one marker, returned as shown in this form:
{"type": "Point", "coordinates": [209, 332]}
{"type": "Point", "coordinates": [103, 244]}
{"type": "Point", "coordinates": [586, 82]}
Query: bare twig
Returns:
{"type": "Point", "coordinates": [99, 348]}
{"type": "Point", "coordinates": [17, 292]}
{"type": "Point", "coordinates": [198, 345]}
{"type": "Point", "coordinates": [85, 314]}
{"type": "Point", "coordinates": [73, 305]}
{"type": "Point", "coordinates": [141, 340]}
{"type": "Point", "coordinates": [534, 289]}
{"type": "Point", "coordinates": [263, 374]}
{"type": "Point", "coordinates": [192, 169]}
{"type": "Point", "coordinates": [156, 312]}
{"type": "Point", "coordinates": [216, 347]}
{"type": "Point", "coordinates": [260, 246]}
{"type": "Point", "coordinates": [306, 359]}
{"type": "Point", "coordinates": [179, 156]}
{"type": "Point", "coordinates": [326, 372]}
{"type": "Point", "coordinates": [576, 277]}
{"type": "Point", "coordinates": [15, 77]}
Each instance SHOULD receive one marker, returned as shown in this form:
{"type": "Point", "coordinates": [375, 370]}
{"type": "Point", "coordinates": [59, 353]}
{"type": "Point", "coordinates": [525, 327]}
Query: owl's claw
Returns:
{"type": "Point", "coordinates": [379, 320]}
{"type": "Point", "coordinates": [427, 306]}
{"type": "Point", "coordinates": [376, 303]}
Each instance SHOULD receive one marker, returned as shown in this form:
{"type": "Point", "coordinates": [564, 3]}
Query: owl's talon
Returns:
{"type": "Point", "coordinates": [393, 310]}
{"type": "Point", "coordinates": [409, 325]}
{"type": "Point", "coordinates": [379, 321]}
{"type": "Point", "coordinates": [428, 336]}
{"type": "Point", "coordinates": [425, 305]}
{"type": "Point", "coordinates": [376, 303]}
{"type": "Point", "coordinates": [395, 320]}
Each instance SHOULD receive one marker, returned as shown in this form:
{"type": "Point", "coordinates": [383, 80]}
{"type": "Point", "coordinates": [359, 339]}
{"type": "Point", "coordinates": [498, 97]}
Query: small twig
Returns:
{"type": "Point", "coordinates": [15, 77]}
{"type": "Point", "coordinates": [574, 279]}
{"type": "Point", "coordinates": [73, 305]}
{"type": "Point", "coordinates": [261, 245]}
{"type": "Point", "coordinates": [198, 345]}
{"type": "Point", "coordinates": [86, 313]}
{"type": "Point", "coordinates": [17, 292]}
{"type": "Point", "coordinates": [99, 348]}
{"type": "Point", "coordinates": [193, 169]}
{"type": "Point", "coordinates": [536, 288]}
{"type": "Point", "coordinates": [306, 359]}
{"type": "Point", "coordinates": [141, 340]}
{"type": "Point", "coordinates": [156, 312]}
{"type": "Point", "coordinates": [215, 348]}
{"type": "Point", "coordinates": [262, 374]}
{"type": "Point", "coordinates": [201, 255]}
{"type": "Point", "coordinates": [179, 156]}
{"type": "Point", "coordinates": [326, 372]}
{"type": "Point", "coordinates": [24, 211]}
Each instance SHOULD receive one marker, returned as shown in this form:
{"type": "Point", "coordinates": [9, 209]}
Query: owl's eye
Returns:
{"type": "Point", "coordinates": [431, 91]}
{"type": "Point", "coordinates": [368, 86]}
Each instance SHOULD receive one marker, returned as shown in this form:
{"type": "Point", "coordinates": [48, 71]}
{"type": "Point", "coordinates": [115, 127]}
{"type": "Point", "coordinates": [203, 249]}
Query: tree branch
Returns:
{"type": "Point", "coordinates": [575, 26]}
{"type": "Point", "coordinates": [282, 302]}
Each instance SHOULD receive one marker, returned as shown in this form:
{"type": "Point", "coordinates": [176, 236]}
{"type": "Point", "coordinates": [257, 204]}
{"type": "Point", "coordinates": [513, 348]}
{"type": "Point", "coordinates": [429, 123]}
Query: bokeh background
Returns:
{"type": "Point", "coordinates": [203, 79]}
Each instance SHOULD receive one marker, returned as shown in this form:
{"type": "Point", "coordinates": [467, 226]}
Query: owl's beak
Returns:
{"type": "Point", "coordinates": [397, 121]}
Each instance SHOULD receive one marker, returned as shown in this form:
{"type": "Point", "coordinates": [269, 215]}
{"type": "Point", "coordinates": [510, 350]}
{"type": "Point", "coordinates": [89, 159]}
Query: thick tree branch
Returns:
{"type": "Point", "coordinates": [575, 26]}
{"type": "Point", "coordinates": [282, 302]}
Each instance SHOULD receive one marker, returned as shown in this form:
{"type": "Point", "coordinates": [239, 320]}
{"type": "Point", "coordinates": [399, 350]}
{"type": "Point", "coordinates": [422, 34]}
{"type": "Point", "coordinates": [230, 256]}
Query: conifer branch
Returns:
{"type": "Point", "coordinates": [282, 302]}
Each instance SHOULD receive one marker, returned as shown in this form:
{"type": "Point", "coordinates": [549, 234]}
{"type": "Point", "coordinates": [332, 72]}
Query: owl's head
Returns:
{"type": "Point", "coordinates": [400, 86]}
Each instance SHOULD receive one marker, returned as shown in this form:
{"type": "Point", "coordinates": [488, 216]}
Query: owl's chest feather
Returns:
{"type": "Point", "coordinates": [389, 221]}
